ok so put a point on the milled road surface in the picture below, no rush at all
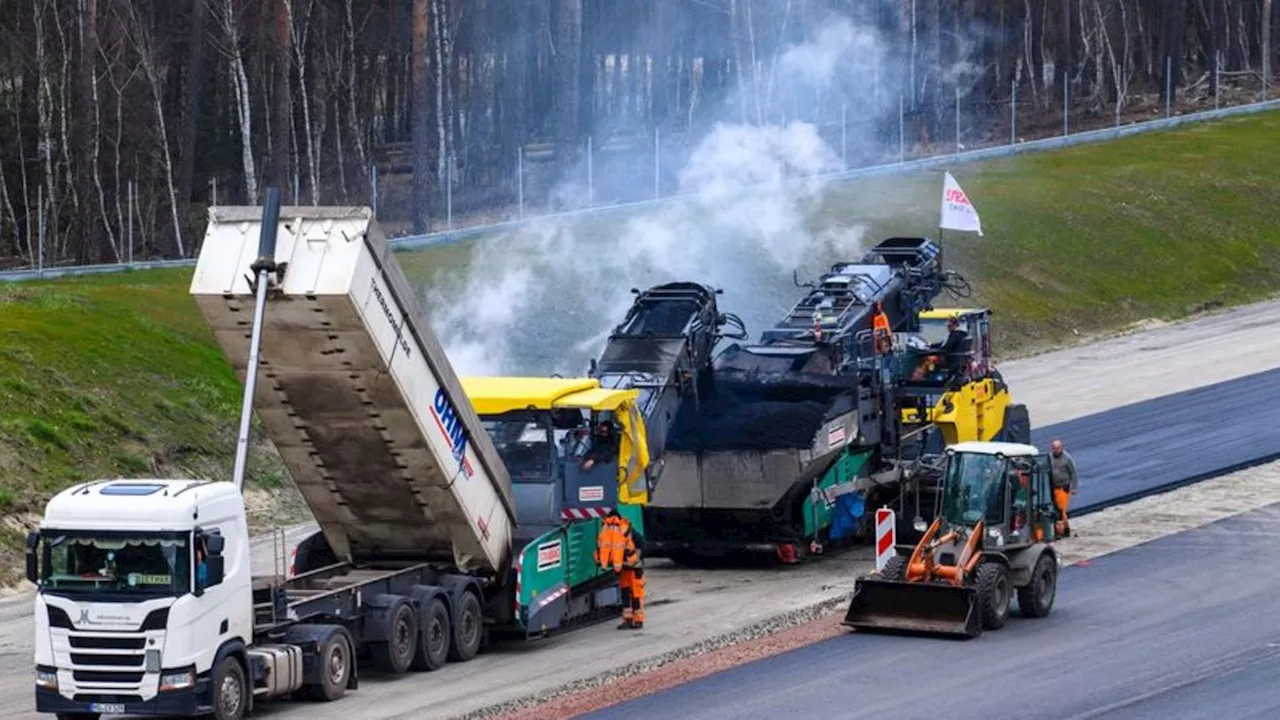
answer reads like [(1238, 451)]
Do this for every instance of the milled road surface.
[(1178, 627), (688, 607)]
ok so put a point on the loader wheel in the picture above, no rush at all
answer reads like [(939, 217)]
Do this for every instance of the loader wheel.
[(895, 569), (994, 594), (1036, 599)]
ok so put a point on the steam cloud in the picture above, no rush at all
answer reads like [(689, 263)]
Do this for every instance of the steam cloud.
[(543, 299)]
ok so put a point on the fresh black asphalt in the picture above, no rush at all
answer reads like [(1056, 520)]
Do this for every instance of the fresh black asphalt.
[(1183, 626), (1180, 627), (1131, 451)]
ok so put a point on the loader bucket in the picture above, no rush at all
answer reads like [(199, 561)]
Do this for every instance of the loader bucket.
[(923, 608)]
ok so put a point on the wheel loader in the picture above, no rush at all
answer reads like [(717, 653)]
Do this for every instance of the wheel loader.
[(991, 538)]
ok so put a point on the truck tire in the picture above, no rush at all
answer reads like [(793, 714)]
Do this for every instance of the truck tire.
[(336, 664), (397, 652), (468, 628), (994, 594), (1036, 599), (895, 569), (434, 637), (230, 691)]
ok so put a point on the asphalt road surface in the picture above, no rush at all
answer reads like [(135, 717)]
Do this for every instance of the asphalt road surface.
[(1129, 451), (1179, 627)]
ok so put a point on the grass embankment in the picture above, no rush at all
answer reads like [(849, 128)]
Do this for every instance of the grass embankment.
[(118, 374), (114, 375)]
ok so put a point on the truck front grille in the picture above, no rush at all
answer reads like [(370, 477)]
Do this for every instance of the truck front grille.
[(107, 677), (103, 698), (97, 642), (129, 661)]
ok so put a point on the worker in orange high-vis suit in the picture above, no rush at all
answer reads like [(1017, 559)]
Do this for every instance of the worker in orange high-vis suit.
[(618, 548), (880, 331)]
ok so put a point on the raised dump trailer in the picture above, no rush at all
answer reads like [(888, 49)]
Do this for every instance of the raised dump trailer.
[(147, 604)]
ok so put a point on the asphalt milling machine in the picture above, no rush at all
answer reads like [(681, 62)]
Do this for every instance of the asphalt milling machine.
[(784, 445), (992, 536)]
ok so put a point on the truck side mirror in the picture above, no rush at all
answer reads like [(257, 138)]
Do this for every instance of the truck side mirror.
[(214, 570), (33, 558), (214, 542)]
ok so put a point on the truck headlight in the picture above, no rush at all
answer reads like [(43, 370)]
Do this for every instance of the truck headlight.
[(47, 679), (178, 680)]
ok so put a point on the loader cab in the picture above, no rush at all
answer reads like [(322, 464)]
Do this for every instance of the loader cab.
[(1006, 485)]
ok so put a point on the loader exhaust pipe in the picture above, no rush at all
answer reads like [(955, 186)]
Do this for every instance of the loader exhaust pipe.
[(888, 606), (262, 268)]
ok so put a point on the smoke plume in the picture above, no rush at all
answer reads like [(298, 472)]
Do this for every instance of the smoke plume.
[(544, 298)]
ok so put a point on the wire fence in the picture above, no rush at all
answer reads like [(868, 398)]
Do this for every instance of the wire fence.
[(616, 175)]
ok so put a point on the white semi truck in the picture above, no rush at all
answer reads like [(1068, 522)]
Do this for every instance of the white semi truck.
[(147, 603)]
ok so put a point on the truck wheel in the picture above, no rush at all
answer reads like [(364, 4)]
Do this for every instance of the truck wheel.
[(433, 644), (1036, 599), (395, 655), (468, 629), (994, 594), (335, 668), (895, 569), (230, 691)]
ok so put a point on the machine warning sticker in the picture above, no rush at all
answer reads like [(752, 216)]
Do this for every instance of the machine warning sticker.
[(591, 493), (549, 555), (835, 436)]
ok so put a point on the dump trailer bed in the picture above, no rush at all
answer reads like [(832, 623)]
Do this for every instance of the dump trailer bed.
[(356, 392)]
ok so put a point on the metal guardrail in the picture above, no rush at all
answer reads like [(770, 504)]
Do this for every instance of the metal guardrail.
[(444, 237)]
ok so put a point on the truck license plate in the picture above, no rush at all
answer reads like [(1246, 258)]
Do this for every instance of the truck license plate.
[(107, 708)]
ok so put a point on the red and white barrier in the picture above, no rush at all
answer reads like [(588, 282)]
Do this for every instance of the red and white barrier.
[(886, 536)]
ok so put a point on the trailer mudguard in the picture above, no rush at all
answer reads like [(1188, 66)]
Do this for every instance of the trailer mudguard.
[(455, 586), (309, 637), (377, 611)]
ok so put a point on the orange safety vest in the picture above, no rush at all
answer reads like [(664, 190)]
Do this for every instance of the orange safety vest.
[(613, 543), (880, 330)]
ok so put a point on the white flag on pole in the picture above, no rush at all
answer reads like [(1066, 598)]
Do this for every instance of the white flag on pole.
[(957, 212)]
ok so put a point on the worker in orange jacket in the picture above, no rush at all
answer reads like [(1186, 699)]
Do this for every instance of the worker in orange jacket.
[(880, 331), (618, 548)]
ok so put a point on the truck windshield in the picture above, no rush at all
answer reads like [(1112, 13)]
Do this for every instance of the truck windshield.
[(133, 564), (974, 489), (524, 446)]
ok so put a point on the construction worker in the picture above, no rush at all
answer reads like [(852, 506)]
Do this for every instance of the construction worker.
[(882, 335), (1065, 482), (618, 548), (602, 447)]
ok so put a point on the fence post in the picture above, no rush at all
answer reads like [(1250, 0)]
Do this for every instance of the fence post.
[(1168, 85), (40, 231), (374, 180), (902, 130), (591, 180), (130, 202), (296, 189), (844, 142), (520, 179), (448, 193), (657, 164), (1217, 78), (215, 193), (1066, 105), (1013, 114), (957, 118)]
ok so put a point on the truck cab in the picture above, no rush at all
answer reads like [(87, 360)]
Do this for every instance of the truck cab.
[(143, 585)]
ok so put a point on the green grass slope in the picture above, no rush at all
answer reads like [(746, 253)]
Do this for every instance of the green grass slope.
[(118, 375), (113, 375)]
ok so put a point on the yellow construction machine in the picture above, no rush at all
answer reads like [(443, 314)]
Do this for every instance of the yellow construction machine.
[(992, 537)]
